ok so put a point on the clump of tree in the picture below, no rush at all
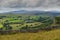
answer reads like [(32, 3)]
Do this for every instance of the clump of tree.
[(7, 26), (57, 20)]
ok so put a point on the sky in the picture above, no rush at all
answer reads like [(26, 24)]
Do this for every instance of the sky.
[(12, 5)]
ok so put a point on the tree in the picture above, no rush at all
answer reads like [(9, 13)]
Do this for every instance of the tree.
[(7, 26)]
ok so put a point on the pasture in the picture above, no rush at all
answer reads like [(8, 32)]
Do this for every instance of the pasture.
[(16, 22)]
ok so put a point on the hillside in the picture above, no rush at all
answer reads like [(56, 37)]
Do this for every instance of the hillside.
[(44, 35), (32, 25)]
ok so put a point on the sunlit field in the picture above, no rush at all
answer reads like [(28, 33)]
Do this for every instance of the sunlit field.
[(18, 21)]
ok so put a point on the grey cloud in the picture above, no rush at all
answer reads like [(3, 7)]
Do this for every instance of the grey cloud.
[(29, 3)]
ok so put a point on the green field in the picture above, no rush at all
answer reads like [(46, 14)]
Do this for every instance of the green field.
[(17, 22)]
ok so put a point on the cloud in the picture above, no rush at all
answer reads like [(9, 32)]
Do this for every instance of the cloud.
[(39, 4), (29, 3)]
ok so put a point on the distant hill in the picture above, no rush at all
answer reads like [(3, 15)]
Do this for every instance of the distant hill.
[(36, 12)]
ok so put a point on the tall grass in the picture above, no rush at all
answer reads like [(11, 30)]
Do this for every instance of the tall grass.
[(43, 35)]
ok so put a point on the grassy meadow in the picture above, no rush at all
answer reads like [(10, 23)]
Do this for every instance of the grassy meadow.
[(43, 35)]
